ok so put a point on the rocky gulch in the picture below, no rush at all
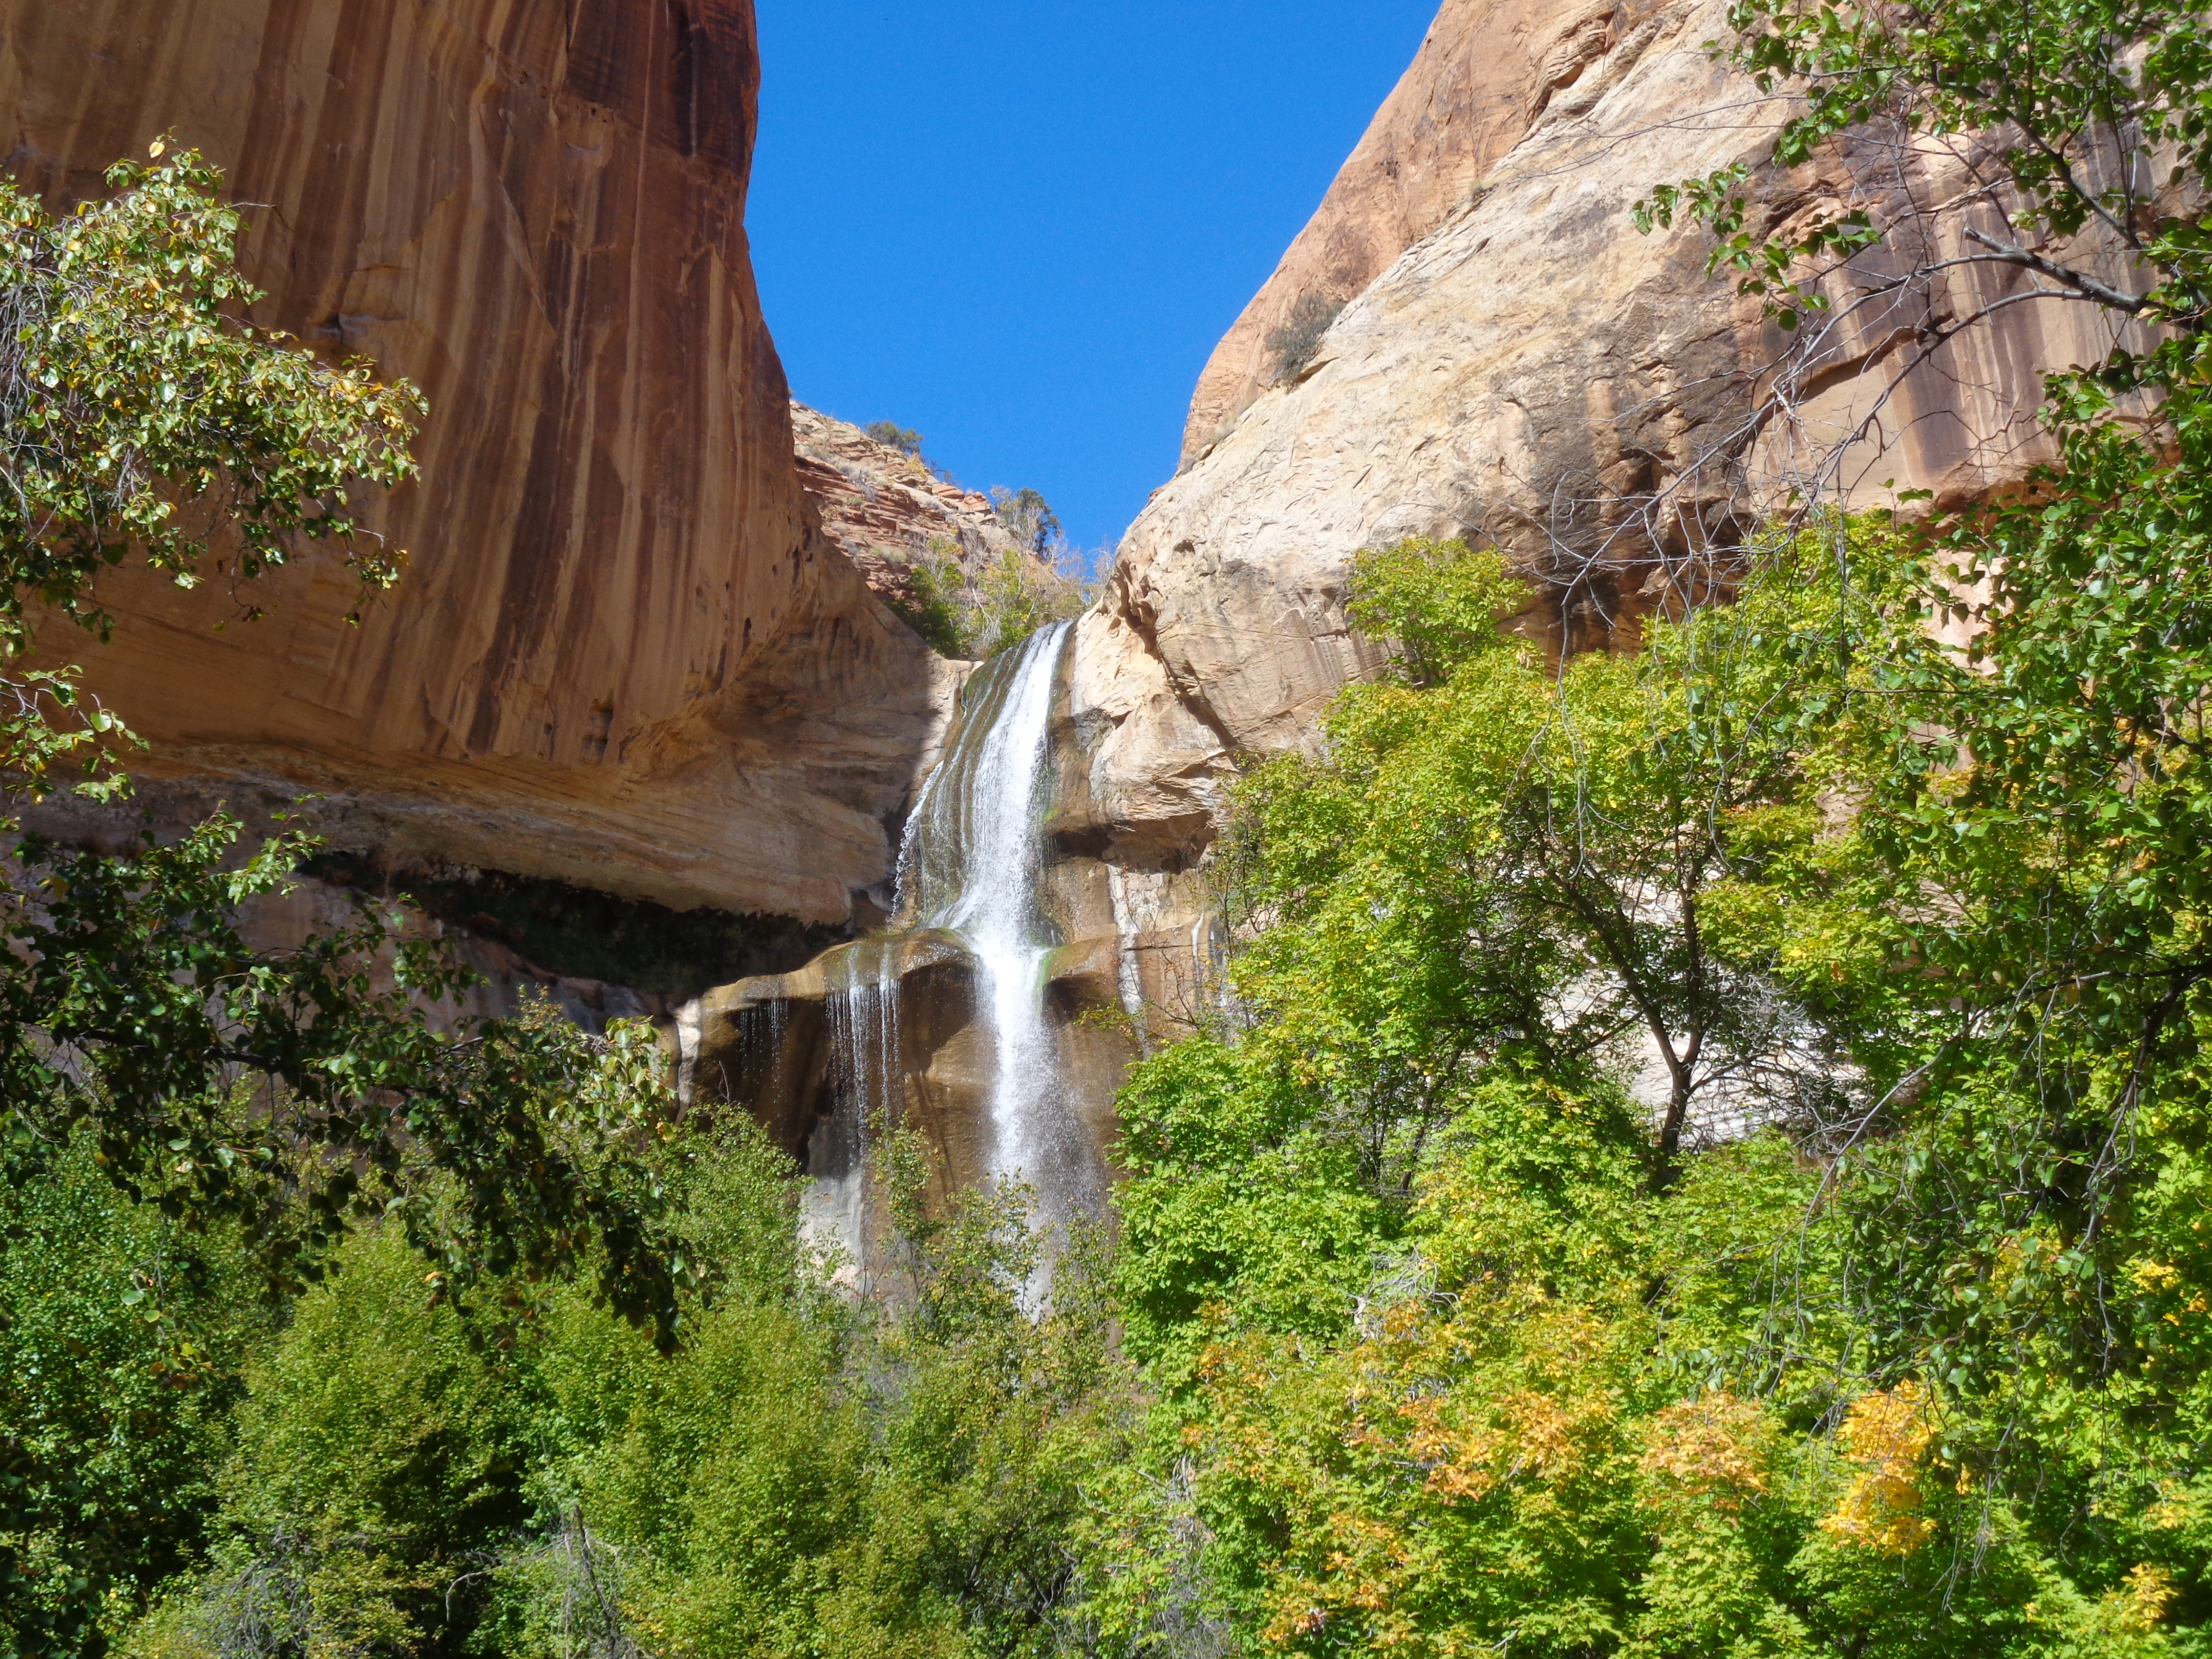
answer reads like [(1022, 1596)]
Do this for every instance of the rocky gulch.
[(1470, 339), (634, 656)]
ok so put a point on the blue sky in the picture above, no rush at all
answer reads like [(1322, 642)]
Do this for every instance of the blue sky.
[(1019, 226)]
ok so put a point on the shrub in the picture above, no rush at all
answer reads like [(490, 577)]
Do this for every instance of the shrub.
[(1029, 518), (890, 433), (120, 1337), (970, 614), (1295, 342), (527, 1477), (936, 585)]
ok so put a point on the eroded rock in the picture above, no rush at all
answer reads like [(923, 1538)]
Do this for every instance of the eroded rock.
[(1515, 365), (886, 509), (623, 655)]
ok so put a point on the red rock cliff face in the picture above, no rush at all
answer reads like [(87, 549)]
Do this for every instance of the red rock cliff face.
[(621, 655), (885, 508)]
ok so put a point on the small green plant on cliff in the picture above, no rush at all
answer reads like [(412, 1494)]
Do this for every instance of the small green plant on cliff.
[(892, 434), (935, 587), (1028, 517), (1294, 343), (969, 614)]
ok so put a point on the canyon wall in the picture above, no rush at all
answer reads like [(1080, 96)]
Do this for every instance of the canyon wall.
[(623, 657), (632, 657), (1493, 352), (1482, 74), (1515, 364), (887, 511)]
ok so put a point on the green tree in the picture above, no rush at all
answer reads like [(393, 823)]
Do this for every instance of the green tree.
[(2006, 931), (902, 1480), (904, 439), (136, 419), (1450, 1369), (283, 1095), (1028, 517), (120, 1337), (809, 1475), (1494, 867), (139, 421)]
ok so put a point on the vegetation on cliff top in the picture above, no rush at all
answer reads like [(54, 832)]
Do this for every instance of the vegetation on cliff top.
[(969, 614)]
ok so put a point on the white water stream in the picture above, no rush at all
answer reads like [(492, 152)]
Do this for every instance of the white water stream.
[(970, 866), (862, 1013)]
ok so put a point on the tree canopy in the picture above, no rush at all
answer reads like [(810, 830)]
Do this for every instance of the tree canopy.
[(276, 1098)]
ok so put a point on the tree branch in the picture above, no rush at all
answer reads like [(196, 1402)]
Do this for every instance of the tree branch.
[(2088, 286)]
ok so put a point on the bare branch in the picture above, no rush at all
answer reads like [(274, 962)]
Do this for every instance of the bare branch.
[(2088, 287)]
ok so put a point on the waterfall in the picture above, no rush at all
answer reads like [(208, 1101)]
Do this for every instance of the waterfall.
[(970, 866), (969, 877), (861, 1011)]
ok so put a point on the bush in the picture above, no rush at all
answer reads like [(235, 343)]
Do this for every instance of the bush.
[(119, 1339), (529, 1477), (969, 615), (382, 1446), (1029, 519), (892, 435), (1299, 337)]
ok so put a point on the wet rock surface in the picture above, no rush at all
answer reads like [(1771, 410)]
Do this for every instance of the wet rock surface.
[(911, 1026)]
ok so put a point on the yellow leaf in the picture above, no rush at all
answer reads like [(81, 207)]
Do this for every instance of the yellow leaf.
[(1885, 1434)]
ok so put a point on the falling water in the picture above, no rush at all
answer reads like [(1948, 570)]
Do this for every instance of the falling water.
[(970, 866), (862, 1008)]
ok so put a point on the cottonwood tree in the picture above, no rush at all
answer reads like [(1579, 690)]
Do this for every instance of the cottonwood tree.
[(1499, 868), (2001, 911)]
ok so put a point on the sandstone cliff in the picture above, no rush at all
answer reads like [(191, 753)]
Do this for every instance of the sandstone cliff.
[(1482, 74), (885, 509), (1512, 363), (622, 657), (1515, 364)]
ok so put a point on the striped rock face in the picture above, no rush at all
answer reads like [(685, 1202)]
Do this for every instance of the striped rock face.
[(1472, 339), (623, 655)]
